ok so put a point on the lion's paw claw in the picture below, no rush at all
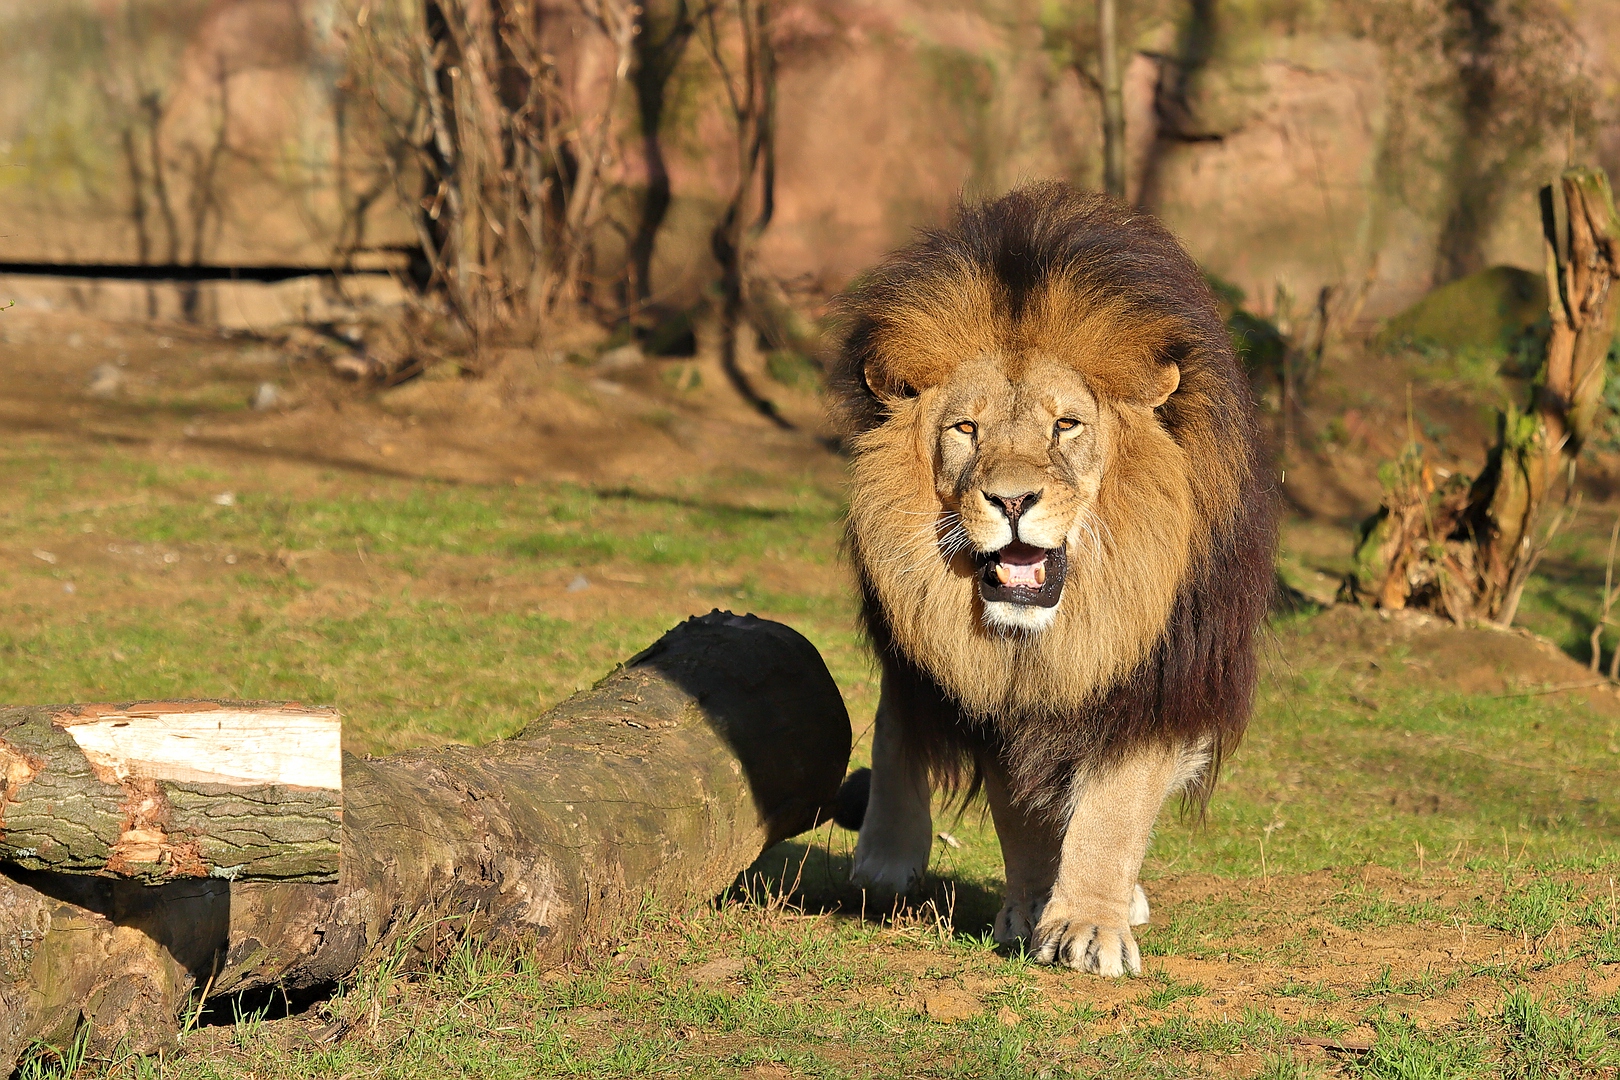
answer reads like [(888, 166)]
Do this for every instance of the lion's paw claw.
[(1101, 947)]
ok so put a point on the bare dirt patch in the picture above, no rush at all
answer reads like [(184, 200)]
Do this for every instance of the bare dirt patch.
[(537, 416)]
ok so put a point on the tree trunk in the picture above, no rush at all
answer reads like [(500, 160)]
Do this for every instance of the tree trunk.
[(667, 779), (1113, 97), (751, 94), (1468, 550), (659, 48), (161, 790)]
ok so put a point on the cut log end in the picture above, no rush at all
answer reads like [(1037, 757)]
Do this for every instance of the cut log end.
[(159, 791)]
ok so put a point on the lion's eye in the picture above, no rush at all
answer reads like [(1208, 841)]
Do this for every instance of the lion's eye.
[(1064, 423), (966, 427)]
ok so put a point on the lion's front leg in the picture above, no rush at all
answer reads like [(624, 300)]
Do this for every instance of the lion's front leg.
[(897, 833), (1030, 848), (1086, 923)]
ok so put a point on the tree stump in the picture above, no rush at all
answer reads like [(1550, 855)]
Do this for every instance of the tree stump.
[(667, 778), (1466, 548)]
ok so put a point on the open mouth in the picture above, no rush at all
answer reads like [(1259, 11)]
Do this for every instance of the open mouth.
[(1022, 574)]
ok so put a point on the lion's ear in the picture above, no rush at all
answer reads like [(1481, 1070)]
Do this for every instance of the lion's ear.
[(881, 388), (1166, 380)]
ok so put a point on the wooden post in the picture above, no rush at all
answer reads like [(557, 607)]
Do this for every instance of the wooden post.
[(667, 779), (155, 791)]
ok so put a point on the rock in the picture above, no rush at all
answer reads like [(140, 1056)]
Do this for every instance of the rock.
[(621, 359), (718, 971), (106, 380), (1487, 310), (950, 1005), (579, 584), (351, 366), (265, 397)]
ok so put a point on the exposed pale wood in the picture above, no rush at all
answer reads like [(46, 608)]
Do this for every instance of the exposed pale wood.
[(665, 779), (208, 743), (161, 790)]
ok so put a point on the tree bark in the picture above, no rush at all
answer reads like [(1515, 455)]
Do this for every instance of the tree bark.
[(155, 791), (1113, 97), (1467, 550), (659, 48), (666, 779), (751, 95)]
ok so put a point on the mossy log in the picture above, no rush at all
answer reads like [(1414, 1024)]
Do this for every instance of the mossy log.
[(666, 779)]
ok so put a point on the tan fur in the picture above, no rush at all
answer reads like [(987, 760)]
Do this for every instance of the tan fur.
[(1129, 550)]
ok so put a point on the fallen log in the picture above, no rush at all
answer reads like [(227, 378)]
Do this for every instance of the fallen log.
[(667, 778), (155, 791)]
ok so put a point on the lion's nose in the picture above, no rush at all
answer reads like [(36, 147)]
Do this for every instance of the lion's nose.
[(1013, 507)]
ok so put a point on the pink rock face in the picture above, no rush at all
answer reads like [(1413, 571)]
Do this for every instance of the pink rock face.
[(1325, 151)]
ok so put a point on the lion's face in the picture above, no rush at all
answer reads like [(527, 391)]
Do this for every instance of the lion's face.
[(1019, 462), (1023, 525)]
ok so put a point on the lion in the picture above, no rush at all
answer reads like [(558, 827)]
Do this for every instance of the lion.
[(1062, 525)]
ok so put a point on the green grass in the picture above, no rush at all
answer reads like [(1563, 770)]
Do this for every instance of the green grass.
[(433, 611), (420, 609)]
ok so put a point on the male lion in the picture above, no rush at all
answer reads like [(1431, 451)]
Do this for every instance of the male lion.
[(1062, 523)]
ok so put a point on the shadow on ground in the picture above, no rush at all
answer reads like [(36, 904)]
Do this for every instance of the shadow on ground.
[(811, 873)]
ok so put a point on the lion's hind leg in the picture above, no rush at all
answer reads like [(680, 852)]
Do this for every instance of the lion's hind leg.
[(1086, 923), (897, 829), (1138, 914)]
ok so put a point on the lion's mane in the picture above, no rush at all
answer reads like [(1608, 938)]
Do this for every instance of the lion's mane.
[(1156, 633)]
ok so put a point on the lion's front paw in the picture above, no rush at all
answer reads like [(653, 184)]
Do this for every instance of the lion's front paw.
[(1102, 945), (1015, 922)]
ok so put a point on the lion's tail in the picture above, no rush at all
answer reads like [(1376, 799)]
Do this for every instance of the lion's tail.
[(849, 806)]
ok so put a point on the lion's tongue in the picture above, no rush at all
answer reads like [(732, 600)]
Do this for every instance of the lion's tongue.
[(1021, 564)]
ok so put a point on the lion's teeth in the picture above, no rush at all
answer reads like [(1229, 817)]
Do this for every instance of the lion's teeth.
[(1003, 575), (1040, 575)]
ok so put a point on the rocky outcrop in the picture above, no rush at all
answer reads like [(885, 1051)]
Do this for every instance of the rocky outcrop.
[(1373, 147)]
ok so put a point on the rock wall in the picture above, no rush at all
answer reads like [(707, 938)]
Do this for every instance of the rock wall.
[(1378, 147), (185, 132)]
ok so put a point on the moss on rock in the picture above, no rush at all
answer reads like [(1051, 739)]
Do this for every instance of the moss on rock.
[(1488, 310)]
